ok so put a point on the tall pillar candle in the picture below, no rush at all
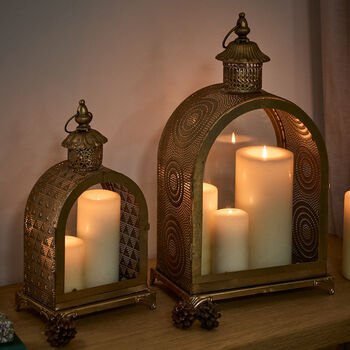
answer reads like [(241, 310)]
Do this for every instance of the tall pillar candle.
[(74, 259), (346, 236), (98, 224), (264, 189), (230, 240), (210, 205)]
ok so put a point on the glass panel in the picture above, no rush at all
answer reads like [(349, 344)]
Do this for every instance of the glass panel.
[(95, 241), (247, 198)]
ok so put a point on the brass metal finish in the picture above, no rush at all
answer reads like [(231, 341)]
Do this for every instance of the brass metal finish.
[(180, 187), (84, 144), (242, 77), (46, 213), (325, 282), (146, 297), (183, 149), (242, 60)]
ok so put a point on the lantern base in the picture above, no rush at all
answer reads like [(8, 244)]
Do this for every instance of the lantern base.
[(59, 321), (196, 300)]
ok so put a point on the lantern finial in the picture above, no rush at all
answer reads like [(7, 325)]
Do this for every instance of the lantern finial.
[(242, 60), (84, 144), (242, 29), (83, 116), (241, 50)]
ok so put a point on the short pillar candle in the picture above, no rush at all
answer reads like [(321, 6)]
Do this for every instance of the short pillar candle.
[(264, 189), (230, 240), (98, 224), (74, 260)]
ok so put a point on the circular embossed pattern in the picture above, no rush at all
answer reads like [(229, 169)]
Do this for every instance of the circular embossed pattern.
[(300, 128), (306, 170), (191, 119), (173, 248), (174, 182), (305, 227)]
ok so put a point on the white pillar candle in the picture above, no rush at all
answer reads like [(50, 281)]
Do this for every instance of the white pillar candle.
[(210, 205), (98, 224), (74, 264), (230, 240), (346, 236), (264, 189)]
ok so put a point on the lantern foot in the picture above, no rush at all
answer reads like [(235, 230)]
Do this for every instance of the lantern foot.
[(326, 283), (208, 314), (153, 276), (186, 311), (60, 330), (148, 299), (183, 314), (20, 301)]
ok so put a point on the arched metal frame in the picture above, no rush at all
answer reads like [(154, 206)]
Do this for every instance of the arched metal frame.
[(46, 214), (183, 148), (272, 274)]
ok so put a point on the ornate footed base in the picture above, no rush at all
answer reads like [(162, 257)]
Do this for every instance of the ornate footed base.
[(60, 329), (202, 306), (185, 312)]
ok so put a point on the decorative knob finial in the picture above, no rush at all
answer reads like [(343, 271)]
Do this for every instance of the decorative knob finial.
[(242, 29), (85, 145), (83, 117)]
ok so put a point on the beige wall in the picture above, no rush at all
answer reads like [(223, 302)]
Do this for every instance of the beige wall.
[(134, 62)]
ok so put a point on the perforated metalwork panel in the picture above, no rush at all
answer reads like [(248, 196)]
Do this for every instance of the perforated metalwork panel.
[(242, 78), (129, 232), (306, 187), (85, 159)]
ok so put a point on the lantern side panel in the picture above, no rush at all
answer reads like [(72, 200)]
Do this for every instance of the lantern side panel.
[(129, 231), (178, 150), (306, 187)]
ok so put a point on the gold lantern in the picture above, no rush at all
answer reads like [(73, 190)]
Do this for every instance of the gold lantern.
[(182, 154), (45, 219)]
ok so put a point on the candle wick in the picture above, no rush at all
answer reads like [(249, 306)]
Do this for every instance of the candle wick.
[(233, 140), (264, 152)]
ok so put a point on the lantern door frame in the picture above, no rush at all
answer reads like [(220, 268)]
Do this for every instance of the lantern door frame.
[(269, 275), (183, 149), (102, 292)]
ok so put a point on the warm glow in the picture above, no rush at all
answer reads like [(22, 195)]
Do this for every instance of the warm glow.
[(233, 139), (99, 195), (264, 152), (230, 211)]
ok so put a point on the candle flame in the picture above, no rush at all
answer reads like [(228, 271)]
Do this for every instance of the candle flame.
[(264, 152), (233, 139)]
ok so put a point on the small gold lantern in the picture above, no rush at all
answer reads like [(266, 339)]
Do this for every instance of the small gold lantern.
[(46, 213), (183, 151)]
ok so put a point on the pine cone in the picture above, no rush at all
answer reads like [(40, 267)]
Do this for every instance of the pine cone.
[(60, 331), (183, 315), (208, 314)]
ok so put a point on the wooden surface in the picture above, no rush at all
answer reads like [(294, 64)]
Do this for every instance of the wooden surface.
[(302, 319)]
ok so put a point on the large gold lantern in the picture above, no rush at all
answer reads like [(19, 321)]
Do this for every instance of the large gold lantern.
[(187, 139), (46, 282)]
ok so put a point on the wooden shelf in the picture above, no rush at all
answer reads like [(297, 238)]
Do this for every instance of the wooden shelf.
[(302, 319)]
